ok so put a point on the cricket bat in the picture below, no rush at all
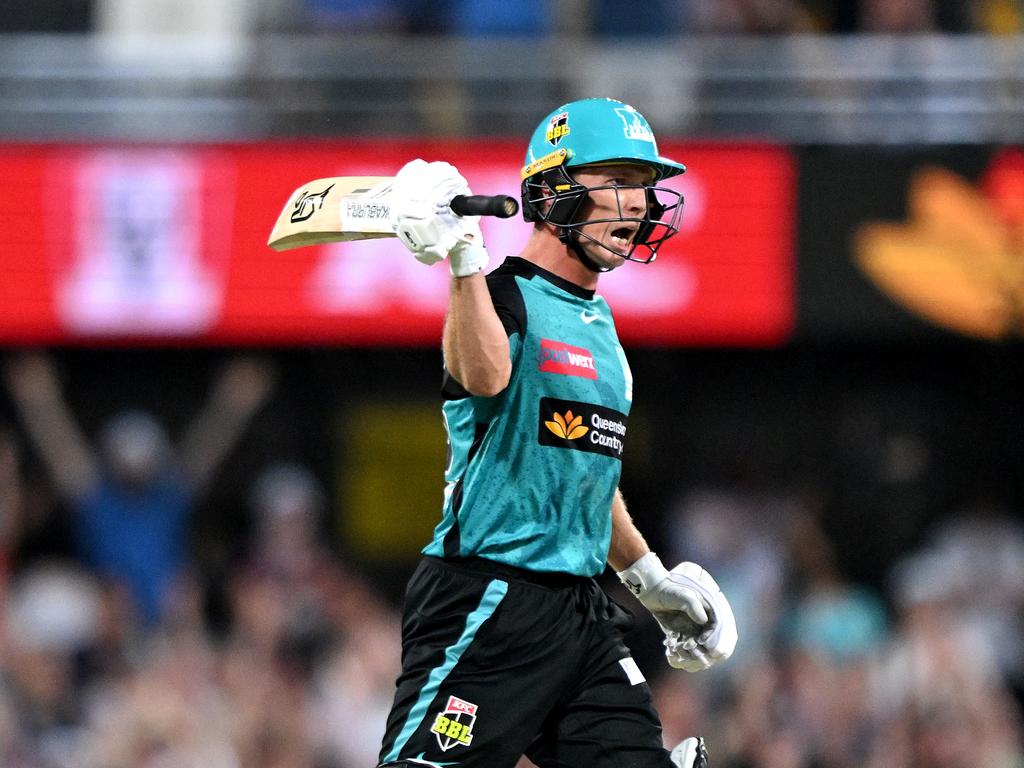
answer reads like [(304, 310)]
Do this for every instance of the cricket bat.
[(344, 208)]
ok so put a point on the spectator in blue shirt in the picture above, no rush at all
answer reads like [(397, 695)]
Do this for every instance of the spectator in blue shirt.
[(133, 496)]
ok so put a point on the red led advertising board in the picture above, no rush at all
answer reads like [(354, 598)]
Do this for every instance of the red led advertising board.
[(143, 245)]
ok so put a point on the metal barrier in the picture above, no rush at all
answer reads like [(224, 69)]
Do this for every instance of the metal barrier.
[(800, 89)]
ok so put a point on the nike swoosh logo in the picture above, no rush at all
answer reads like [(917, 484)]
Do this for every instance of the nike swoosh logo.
[(589, 317)]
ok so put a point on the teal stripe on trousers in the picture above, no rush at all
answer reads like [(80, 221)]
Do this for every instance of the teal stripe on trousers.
[(489, 603)]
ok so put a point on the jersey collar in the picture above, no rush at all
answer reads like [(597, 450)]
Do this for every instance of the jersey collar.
[(525, 268)]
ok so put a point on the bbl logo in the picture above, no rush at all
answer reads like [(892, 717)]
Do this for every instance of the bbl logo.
[(557, 128), (454, 726)]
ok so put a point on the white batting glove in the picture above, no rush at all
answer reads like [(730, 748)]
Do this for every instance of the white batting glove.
[(673, 601), (424, 222), (690, 753), (718, 641), (694, 614)]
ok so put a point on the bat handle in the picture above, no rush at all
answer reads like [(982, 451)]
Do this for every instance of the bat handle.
[(501, 206)]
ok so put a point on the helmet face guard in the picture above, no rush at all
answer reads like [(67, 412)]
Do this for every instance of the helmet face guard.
[(554, 197)]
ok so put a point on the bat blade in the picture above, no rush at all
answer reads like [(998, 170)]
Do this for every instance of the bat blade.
[(333, 210)]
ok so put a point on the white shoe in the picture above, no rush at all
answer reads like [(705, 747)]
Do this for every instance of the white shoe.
[(690, 753)]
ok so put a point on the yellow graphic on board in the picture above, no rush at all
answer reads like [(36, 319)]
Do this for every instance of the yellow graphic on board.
[(958, 261)]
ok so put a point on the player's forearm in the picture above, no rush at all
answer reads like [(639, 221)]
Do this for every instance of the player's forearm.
[(628, 544), (476, 350)]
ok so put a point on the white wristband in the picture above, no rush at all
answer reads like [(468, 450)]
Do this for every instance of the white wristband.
[(466, 259), (643, 574)]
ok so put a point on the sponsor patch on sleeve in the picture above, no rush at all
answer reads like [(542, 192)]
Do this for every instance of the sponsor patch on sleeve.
[(581, 427)]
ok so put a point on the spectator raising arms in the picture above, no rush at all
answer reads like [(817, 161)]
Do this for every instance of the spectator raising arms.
[(134, 495)]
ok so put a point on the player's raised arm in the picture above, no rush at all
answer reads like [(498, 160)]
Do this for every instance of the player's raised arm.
[(476, 349)]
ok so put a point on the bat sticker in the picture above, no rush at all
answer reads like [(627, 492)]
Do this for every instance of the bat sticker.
[(307, 205)]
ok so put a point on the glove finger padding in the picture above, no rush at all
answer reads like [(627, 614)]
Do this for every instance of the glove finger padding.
[(423, 220), (684, 653), (719, 640), (435, 182)]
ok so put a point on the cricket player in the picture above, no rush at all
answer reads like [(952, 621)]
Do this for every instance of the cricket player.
[(509, 646)]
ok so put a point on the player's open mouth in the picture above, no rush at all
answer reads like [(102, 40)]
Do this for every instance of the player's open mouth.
[(620, 237)]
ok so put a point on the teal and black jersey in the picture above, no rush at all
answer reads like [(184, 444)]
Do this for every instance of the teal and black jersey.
[(532, 471)]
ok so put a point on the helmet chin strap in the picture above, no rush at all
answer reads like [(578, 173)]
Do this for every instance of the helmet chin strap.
[(566, 236)]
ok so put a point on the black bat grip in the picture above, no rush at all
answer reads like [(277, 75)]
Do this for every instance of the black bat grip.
[(501, 206)]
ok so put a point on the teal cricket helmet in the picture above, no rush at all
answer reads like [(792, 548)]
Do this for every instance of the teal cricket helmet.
[(596, 131)]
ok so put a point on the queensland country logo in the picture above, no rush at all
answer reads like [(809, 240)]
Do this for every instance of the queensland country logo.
[(556, 357), (958, 259), (558, 128), (567, 427), (581, 427), (453, 726)]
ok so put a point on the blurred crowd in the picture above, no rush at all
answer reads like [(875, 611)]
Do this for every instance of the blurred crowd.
[(112, 657), (120, 652), (601, 18), (924, 671), (664, 18)]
